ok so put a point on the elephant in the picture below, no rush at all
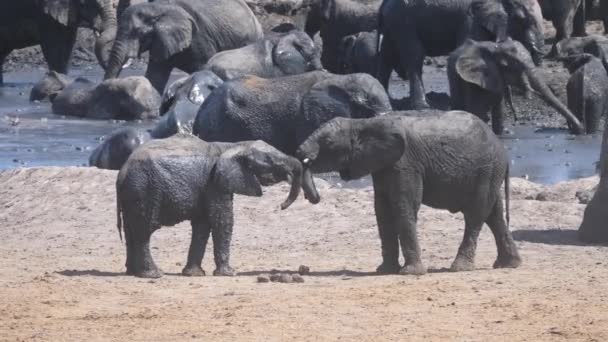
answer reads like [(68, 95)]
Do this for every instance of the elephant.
[(593, 229), (284, 111), (303, 14), (567, 16), (446, 160), (129, 98), (358, 53), (167, 181), (116, 149), (587, 88), (180, 34), (596, 45), (53, 24), (411, 30), (49, 86), (278, 54), (480, 75)]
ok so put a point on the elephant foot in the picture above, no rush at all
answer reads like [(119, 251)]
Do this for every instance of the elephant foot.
[(388, 268), (225, 271), (419, 104), (413, 269), (193, 271), (152, 273), (507, 262), (462, 264)]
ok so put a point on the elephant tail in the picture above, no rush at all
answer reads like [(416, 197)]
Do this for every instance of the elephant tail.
[(119, 218), (507, 196)]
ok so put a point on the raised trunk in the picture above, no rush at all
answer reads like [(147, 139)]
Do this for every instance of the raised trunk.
[(296, 183), (103, 44), (547, 95), (118, 57), (308, 185), (594, 228)]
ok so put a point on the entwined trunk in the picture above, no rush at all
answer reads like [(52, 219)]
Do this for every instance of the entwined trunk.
[(103, 44)]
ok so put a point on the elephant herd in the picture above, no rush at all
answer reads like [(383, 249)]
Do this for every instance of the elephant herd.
[(264, 106)]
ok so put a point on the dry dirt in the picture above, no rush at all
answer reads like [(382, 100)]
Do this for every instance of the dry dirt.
[(61, 271)]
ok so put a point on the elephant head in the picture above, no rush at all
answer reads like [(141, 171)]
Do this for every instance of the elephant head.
[(495, 67), (181, 101), (296, 53), (113, 153), (159, 27), (98, 15), (520, 19), (353, 147), (50, 86), (345, 53), (245, 168)]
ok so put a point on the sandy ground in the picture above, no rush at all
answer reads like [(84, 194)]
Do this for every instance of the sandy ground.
[(61, 271)]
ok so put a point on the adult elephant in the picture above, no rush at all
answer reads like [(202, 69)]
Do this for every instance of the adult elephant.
[(284, 111), (567, 16), (53, 24), (411, 30), (481, 74), (181, 34), (446, 160)]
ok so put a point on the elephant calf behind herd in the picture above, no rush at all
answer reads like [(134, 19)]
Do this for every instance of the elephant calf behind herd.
[(258, 108)]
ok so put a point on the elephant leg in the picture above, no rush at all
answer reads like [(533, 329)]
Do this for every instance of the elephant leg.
[(578, 29), (414, 59), (3, 56), (498, 118), (465, 259), (57, 43), (386, 62), (221, 220), (158, 74), (198, 245), (139, 259), (508, 256), (594, 109), (389, 239)]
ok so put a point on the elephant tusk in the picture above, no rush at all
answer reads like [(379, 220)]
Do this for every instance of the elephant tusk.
[(306, 161)]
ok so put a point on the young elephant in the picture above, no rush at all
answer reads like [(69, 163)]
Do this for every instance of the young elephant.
[(480, 74), (116, 149), (278, 54), (182, 178), (49, 86), (358, 53), (446, 160), (129, 98)]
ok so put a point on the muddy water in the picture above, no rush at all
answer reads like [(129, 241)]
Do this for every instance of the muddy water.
[(30, 135)]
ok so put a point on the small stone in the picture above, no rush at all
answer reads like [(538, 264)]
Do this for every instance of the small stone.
[(303, 270), (263, 278), (275, 277), (285, 278), (297, 278), (541, 196)]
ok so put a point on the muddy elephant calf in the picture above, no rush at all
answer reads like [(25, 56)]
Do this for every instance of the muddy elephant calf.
[(182, 178)]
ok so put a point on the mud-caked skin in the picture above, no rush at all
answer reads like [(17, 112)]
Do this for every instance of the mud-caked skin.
[(49, 86), (284, 111), (180, 178), (446, 160), (116, 149), (481, 75)]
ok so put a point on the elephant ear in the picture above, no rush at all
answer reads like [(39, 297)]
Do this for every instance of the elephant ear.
[(173, 33), (478, 67), (233, 173), (490, 15), (379, 144), (63, 11)]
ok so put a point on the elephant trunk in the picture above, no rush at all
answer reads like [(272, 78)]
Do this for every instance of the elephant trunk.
[(103, 44), (295, 178), (547, 95), (118, 56), (308, 184)]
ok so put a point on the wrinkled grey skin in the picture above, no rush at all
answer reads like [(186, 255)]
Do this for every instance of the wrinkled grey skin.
[(445, 160), (358, 53), (340, 18), (167, 181), (181, 34), (284, 111), (116, 149), (278, 54), (587, 88), (53, 24), (129, 98), (480, 74), (567, 16), (593, 229), (49, 86), (596, 45), (411, 30), (181, 102)]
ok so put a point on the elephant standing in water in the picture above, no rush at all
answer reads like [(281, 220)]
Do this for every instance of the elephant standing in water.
[(181, 34), (414, 29), (481, 73), (182, 178), (446, 160), (53, 24)]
